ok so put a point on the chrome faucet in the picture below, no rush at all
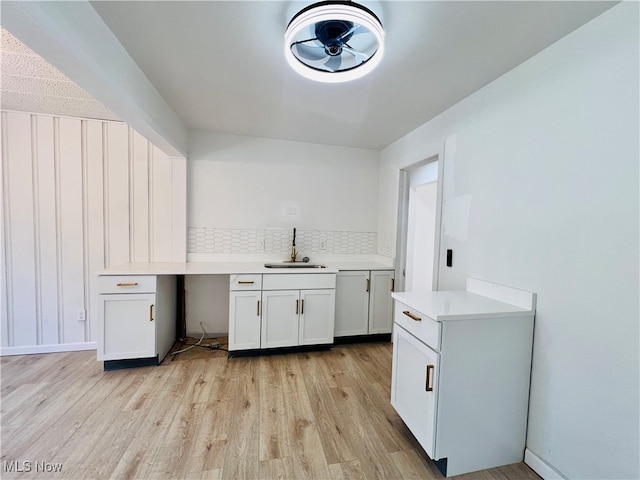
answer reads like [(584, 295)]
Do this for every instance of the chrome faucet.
[(294, 253)]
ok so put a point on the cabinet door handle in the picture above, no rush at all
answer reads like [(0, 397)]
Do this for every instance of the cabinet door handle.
[(258, 311), (297, 304), (412, 316), (427, 384), (393, 284), (124, 284), (302, 306), (151, 313), (368, 284), (246, 282)]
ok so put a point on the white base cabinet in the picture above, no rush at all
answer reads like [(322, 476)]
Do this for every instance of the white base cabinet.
[(460, 378), (363, 302), (136, 317), (299, 309), (281, 310), (245, 311)]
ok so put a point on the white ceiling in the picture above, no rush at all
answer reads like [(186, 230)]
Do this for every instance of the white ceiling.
[(29, 84), (220, 65)]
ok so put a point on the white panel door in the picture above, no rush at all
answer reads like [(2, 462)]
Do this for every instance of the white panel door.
[(380, 302), (128, 327), (317, 309), (414, 386), (244, 320), (280, 313), (352, 303)]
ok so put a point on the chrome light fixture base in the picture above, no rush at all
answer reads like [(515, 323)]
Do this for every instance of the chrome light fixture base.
[(334, 41)]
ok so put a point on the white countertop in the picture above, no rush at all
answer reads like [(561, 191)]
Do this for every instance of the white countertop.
[(226, 268), (458, 305)]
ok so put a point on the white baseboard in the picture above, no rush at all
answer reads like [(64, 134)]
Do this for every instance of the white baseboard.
[(56, 348), (542, 468)]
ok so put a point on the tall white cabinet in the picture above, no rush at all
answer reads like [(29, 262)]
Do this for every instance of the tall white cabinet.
[(460, 373)]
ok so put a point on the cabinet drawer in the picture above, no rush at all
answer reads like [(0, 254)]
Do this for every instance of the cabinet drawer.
[(127, 283), (298, 281), (245, 281), (420, 326)]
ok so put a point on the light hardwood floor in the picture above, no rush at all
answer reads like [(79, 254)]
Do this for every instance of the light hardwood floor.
[(201, 416)]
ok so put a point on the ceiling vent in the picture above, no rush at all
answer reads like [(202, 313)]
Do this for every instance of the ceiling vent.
[(334, 41)]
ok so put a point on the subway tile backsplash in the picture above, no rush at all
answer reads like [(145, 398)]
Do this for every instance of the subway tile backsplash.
[(278, 241)]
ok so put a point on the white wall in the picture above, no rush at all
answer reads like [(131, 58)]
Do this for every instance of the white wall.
[(79, 195), (239, 190), (238, 182), (421, 233), (541, 184)]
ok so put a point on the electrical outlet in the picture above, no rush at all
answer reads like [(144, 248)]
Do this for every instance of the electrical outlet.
[(260, 244), (82, 316), (323, 244)]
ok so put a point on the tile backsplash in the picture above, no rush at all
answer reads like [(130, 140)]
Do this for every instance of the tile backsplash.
[(278, 241)]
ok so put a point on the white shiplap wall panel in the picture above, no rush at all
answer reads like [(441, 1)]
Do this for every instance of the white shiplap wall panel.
[(78, 195), (139, 197), (20, 234), (46, 215), (94, 228), (71, 215), (117, 193), (161, 206)]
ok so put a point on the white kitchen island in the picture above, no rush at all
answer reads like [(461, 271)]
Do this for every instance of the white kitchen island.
[(461, 371)]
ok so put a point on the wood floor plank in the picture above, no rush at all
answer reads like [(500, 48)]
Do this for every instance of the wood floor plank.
[(200, 415)]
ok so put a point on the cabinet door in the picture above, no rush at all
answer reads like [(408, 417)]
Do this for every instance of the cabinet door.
[(414, 386), (352, 303), (316, 316), (280, 311), (127, 326), (380, 302), (244, 320)]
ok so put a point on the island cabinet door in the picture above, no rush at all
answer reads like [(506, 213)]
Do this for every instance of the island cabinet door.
[(128, 327), (414, 387), (280, 312)]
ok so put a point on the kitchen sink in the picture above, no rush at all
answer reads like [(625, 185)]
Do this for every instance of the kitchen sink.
[(294, 265)]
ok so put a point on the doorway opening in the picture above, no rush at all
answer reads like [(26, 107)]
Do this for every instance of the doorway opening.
[(418, 238)]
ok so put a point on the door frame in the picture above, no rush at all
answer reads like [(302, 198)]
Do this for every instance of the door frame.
[(403, 217)]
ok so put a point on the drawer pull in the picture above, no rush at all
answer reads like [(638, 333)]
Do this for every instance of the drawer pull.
[(151, 313), (246, 282), (427, 384), (411, 316), (125, 284)]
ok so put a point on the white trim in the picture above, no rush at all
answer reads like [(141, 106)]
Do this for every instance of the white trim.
[(542, 468), (34, 349)]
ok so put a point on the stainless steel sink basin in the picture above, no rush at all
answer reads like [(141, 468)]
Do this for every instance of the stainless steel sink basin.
[(294, 265)]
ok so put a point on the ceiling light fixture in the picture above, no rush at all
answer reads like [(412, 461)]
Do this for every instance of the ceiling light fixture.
[(334, 41)]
